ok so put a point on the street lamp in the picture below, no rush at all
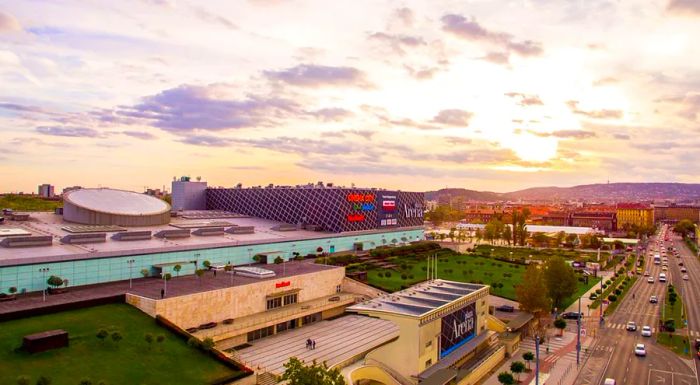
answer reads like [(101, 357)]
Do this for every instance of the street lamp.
[(44, 270), (130, 262)]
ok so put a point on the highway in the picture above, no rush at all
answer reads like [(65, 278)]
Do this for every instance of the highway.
[(689, 290), (613, 355)]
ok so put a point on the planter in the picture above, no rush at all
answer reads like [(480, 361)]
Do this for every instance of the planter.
[(57, 290), (7, 297)]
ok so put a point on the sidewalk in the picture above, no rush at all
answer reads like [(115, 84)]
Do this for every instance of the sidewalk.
[(559, 363), (585, 300)]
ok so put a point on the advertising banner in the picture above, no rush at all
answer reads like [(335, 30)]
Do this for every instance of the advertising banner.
[(458, 328), (387, 213)]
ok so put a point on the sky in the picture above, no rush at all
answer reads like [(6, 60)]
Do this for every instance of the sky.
[(412, 95)]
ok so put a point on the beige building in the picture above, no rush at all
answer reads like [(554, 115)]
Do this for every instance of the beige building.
[(443, 335)]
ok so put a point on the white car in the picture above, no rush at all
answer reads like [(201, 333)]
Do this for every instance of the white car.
[(640, 350), (631, 326), (646, 273), (650, 279), (609, 381), (685, 277), (683, 270), (646, 331), (665, 268)]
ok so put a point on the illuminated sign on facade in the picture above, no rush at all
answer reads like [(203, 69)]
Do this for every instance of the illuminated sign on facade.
[(458, 328), (413, 211), (356, 217), (282, 284), (387, 214), (360, 198)]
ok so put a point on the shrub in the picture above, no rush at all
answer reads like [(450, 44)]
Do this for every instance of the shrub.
[(411, 276), (612, 298), (145, 273), (43, 380), (22, 380), (278, 260), (207, 343), (193, 342), (404, 276), (55, 281), (206, 264), (387, 274), (618, 291)]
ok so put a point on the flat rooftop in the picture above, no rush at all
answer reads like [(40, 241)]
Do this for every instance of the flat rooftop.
[(419, 299), (336, 341), (46, 223)]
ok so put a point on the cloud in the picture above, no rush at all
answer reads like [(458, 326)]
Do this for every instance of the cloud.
[(186, 108), (689, 105), (453, 118), (331, 114), (565, 134), (471, 30), (621, 136), (657, 146), (422, 73), (140, 135), (69, 131), (8, 23), (606, 81), (687, 7), (206, 140), (525, 100), (501, 155), (213, 18), (596, 114), (398, 42), (497, 58), (405, 15), (312, 75)]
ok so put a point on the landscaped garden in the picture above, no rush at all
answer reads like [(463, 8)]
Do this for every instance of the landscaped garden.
[(392, 269), (109, 344), (527, 253), (28, 203)]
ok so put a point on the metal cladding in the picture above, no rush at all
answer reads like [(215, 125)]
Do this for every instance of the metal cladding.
[(328, 209), (105, 206)]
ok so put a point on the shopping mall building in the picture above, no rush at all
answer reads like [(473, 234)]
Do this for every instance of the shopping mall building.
[(105, 235)]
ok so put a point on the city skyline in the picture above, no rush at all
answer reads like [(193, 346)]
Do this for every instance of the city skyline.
[(395, 94)]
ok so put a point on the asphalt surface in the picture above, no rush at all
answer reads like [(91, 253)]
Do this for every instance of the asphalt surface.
[(613, 355), (689, 290)]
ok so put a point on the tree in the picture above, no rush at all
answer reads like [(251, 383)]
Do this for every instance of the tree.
[(506, 378), (54, 281), (560, 324), (148, 337), (206, 264), (177, 269), (116, 337), (208, 343), (560, 279), (507, 234), (145, 273), (559, 238), (528, 356), (517, 367), (101, 335), (85, 381), (199, 273), (160, 338), (684, 227), (532, 292), (296, 373), (451, 235), (278, 260), (540, 239), (479, 235), (43, 380), (22, 380)]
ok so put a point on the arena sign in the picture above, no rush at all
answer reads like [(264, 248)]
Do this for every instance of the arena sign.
[(387, 214), (458, 328)]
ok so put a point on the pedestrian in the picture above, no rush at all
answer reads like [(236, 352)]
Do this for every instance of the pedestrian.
[(313, 344), (308, 343), (162, 293), (214, 272)]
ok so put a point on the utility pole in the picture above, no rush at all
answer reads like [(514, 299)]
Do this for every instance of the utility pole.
[(578, 333)]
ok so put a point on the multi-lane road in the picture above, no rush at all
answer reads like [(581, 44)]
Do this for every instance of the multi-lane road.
[(613, 354), (689, 290)]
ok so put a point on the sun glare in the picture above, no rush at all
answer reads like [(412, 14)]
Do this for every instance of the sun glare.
[(532, 148)]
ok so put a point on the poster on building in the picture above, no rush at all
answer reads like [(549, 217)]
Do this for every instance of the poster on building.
[(458, 328), (387, 212)]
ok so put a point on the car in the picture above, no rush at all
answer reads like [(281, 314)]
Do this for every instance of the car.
[(571, 315), (506, 308), (640, 350), (646, 273), (683, 270), (665, 268), (685, 277), (631, 326), (609, 381), (646, 331), (650, 279), (653, 299), (680, 263)]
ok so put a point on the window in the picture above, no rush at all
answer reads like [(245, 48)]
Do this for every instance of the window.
[(337, 289), (311, 318), (290, 299), (429, 362), (261, 333), (273, 303), (429, 344)]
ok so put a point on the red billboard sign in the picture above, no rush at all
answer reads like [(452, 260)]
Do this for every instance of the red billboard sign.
[(282, 284)]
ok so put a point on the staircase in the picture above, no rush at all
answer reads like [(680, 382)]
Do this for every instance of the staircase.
[(266, 378)]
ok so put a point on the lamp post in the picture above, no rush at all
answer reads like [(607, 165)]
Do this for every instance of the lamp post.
[(537, 360), (130, 262), (165, 282), (43, 271), (578, 333)]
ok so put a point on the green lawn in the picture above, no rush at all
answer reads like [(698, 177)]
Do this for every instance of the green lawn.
[(461, 268), (27, 203), (676, 343), (581, 290), (540, 254), (674, 312), (130, 361)]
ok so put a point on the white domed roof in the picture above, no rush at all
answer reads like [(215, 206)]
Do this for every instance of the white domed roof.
[(116, 201)]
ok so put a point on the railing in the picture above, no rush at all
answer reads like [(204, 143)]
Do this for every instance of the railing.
[(394, 374)]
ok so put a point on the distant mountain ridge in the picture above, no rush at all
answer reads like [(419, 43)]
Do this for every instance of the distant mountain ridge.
[(610, 192)]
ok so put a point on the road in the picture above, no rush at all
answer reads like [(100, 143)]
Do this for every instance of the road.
[(690, 289), (613, 355)]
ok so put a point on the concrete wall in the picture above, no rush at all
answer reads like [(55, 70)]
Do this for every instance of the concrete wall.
[(75, 214), (352, 286), (189, 195)]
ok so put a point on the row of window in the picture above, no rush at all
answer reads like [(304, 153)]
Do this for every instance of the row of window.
[(273, 303), (261, 333)]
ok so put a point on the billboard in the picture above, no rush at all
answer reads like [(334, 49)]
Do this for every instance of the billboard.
[(458, 328), (387, 213)]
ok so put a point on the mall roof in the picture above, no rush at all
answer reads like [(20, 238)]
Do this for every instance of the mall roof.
[(420, 299), (50, 224)]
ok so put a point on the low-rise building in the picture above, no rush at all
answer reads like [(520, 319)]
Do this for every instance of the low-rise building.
[(634, 214), (674, 213)]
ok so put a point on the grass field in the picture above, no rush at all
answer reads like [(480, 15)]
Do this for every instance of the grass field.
[(27, 203), (129, 361), (674, 312), (676, 343), (461, 268), (524, 253)]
